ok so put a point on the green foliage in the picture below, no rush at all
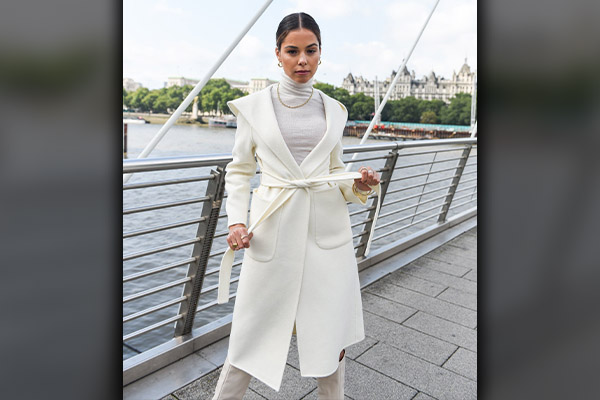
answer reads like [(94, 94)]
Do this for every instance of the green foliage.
[(217, 92), (409, 109), (429, 117), (147, 103), (432, 105), (325, 88), (214, 96), (360, 106), (458, 112), (134, 99)]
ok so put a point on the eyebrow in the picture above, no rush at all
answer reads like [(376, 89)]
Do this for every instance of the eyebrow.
[(295, 47)]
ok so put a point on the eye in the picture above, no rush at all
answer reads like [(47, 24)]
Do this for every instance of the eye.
[(291, 51), (311, 51)]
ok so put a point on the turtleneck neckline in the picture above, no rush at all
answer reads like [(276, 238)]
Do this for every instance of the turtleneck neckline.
[(289, 88)]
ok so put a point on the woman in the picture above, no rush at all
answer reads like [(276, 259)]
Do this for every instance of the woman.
[(299, 271)]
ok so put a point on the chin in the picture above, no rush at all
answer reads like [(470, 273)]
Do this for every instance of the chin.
[(302, 79)]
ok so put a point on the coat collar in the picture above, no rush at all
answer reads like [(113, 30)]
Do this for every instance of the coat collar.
[(258, 110)]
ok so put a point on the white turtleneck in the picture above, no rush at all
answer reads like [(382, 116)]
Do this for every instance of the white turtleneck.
[(303, 127)]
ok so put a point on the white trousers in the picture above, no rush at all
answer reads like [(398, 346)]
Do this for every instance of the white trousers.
[(233, 383)]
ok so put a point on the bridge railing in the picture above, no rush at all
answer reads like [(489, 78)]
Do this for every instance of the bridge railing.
[(175, 228)]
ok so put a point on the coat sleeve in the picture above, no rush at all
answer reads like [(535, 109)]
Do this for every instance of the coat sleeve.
[(336, 166), (239, 172)]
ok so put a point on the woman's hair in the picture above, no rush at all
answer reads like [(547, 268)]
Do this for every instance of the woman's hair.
[(296, 21)]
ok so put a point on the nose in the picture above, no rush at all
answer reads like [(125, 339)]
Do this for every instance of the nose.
[(302, 60)]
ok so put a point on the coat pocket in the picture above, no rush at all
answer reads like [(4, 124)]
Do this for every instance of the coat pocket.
[(264, 239), (332, 220)]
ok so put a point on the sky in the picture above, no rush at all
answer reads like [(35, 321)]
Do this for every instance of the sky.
[(164, 39)]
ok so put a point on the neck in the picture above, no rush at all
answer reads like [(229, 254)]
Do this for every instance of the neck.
[(290, 88)]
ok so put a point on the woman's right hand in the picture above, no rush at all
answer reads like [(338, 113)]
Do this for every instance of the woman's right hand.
[(236, 232)]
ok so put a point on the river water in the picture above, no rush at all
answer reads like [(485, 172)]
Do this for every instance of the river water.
[(197, 140)]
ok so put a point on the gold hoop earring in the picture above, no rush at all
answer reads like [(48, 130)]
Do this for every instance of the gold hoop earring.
[(279, 64), (319, 61)]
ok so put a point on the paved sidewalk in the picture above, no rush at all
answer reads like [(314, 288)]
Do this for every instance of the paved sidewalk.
[(421, 327)]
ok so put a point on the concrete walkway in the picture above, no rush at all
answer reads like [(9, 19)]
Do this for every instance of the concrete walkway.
[(421, 327)]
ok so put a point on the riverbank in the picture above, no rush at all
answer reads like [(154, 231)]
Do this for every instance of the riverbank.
[(162, 118)]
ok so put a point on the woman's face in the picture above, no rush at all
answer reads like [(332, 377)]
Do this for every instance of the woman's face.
[(300, 54)]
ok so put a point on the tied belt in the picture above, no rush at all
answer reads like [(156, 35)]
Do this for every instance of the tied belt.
[(288, 189)]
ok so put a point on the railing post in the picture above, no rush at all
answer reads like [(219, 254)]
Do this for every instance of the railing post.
[(206, 231), (386, 176), (452, 189)]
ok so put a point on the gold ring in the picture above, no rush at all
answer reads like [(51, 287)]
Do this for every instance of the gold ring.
[(235, 245)]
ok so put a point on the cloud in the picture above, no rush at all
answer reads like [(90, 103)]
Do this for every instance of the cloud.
[(363, 38), (449, 37), (153, 63), (162, 6), (369, 59), (325, 8)]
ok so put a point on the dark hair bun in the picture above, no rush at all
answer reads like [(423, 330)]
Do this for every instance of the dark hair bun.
[(296, 21)]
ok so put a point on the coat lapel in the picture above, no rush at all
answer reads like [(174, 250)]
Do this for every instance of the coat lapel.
[(260, 114), (336, 117)]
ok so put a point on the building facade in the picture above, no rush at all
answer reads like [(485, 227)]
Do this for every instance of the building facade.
[(430, 87), (254, 85), (257, 84), (180, 81), (130, 85), (242, 85)]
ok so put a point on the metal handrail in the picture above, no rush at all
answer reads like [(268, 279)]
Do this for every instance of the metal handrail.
[(156, 289), (166, 182), (421, 184), (168, 163), (156, 270), (160, 249), (204, 258), (161, 228), (165, 205), (429, 163), (424, 174)]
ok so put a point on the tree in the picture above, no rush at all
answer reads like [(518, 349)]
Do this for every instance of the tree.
[(361, 107), (340, 94), (458, 111), (407, 110), (326, 88), (135, 98), (429, 117), (432, 105), (229, 95), (147, 103), (161, 103)]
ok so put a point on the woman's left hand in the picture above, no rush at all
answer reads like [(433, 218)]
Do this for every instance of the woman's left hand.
[(370, 177)]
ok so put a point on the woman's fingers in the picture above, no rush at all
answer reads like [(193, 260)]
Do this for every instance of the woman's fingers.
[(245, 239), (239, 237), (369, 176)]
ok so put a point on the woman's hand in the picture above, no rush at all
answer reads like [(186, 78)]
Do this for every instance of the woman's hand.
[(238, 237), (369, 177)]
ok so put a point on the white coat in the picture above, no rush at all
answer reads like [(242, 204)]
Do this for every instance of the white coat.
[(300, 267)]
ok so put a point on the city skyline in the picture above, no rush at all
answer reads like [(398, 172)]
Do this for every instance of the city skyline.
[(368, 40), (381, 78)]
